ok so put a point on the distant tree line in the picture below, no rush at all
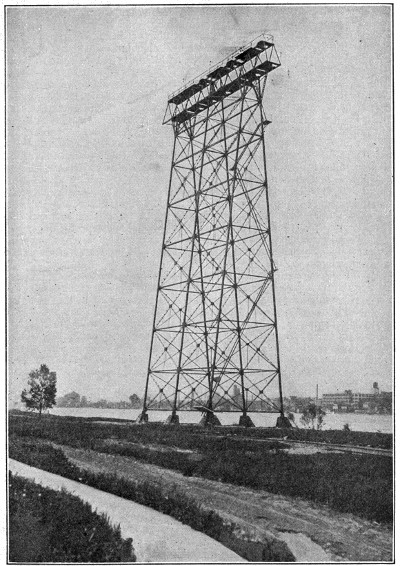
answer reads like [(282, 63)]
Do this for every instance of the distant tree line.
[(74, 400), (40, 395)]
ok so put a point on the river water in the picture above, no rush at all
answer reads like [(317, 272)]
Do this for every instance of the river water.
[(356, 421)]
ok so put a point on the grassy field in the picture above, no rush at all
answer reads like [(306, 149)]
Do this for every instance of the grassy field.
[(52, 526), (356, 483), (38, 453), (41, 455)]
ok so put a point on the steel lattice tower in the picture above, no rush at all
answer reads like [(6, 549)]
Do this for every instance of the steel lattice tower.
[(214, 343)]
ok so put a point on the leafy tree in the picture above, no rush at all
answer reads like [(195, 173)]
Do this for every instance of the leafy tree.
[(41, 392), (313, 416), (135, 401), (382, 403), (72, 399)]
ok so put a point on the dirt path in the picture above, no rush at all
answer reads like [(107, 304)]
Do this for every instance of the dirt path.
[(312, 532)]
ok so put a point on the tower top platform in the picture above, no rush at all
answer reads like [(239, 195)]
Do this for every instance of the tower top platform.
[(243, 67)]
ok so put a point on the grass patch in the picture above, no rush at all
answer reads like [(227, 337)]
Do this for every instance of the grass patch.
[(53, 526), (174, 503), (357, 483), (352, 483), (41, 455)]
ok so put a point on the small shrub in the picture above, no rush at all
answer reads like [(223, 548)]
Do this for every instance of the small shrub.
[(313, 417)]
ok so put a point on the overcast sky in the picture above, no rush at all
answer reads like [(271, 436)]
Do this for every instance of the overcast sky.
[(88, 166)]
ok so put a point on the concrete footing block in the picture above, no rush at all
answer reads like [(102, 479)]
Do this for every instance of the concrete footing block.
[(209, 419), (143, 418), (283, 422), (172, 420), (246, 421)]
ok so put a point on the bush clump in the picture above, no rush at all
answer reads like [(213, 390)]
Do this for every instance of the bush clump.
[(53, 526)]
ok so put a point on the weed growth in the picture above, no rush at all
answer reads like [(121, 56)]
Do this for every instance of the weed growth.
[(52, 526)]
